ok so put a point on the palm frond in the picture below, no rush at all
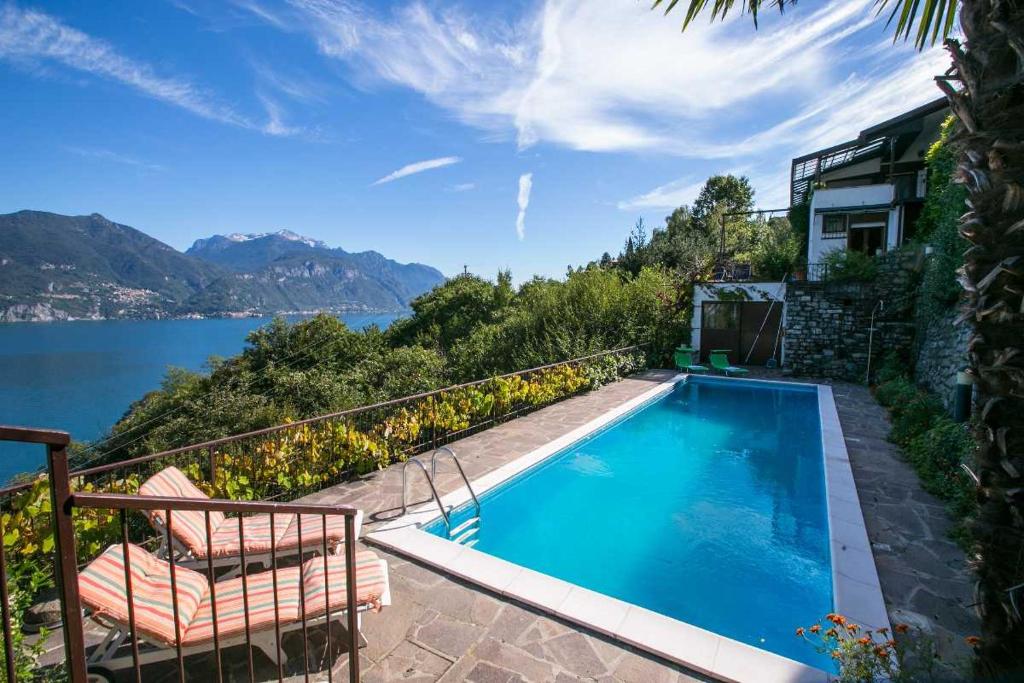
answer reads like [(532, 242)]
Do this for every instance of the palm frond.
[(934, 19), (720, 8)]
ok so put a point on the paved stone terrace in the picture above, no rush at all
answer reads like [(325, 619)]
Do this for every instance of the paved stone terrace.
[(440, 628), (924, 575)]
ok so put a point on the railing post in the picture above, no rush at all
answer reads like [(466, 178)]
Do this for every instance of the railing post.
[(66, 560), (213, 468)]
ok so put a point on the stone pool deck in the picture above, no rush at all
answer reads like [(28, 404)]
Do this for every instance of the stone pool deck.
[(440, 628)]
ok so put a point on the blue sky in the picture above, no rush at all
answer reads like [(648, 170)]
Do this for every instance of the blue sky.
[(526, 135)]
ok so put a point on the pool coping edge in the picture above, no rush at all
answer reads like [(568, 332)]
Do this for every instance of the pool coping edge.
[(856, 591)]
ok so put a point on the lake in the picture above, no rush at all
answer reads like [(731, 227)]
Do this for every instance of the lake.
[(81, 376)]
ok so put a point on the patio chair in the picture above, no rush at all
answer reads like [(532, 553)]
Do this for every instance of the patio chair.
[(720, 361), (684, 358), (102, 589), (188, 527)]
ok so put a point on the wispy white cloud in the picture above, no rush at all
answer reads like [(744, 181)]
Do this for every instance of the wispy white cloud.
[(590, 76), (290, 83), (29, 35), (670, 195), (110, 155), (418, 167), (525, 186), (462, 187)]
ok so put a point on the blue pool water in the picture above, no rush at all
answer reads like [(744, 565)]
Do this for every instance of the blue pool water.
[(706, 505)]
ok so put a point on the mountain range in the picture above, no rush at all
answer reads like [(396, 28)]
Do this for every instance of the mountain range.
[(55, 267)]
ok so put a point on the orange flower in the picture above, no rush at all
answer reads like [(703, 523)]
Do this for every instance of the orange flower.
[(852, 628), (831, 633), (833, 617), (864, 641), (883, 631), (901, 628), (835, 654), (800, 631), (881, 652), (972, 640), (815, 628)]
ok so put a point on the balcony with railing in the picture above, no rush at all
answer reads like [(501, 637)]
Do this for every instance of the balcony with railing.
[(148, 585)]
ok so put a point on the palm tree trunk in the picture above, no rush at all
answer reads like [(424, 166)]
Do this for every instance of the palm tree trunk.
[(986, 92)]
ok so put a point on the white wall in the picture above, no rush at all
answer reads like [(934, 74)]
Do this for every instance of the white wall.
[(755, 291), (865, 195)]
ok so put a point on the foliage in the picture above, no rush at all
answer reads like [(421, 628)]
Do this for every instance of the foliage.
[(844, 265), (450, 312), (690, 241), (864, 656), (896, 392), (594, 309), (938, 226), (799, 217), (937, 454), (307, 457), (777, 249), (894, 366), (24, 581), (934, 445), (914, 417), (934, 22)]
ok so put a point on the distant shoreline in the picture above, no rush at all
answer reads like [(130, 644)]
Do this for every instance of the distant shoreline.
[(225, 315)]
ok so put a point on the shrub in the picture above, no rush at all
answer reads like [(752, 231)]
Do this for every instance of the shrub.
[(893, 367), (937, 455), (843, 265), (914, 417), (896, 392), (25, 580)]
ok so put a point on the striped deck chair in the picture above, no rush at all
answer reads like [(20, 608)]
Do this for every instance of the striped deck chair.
[(102, 589), (189, 529)]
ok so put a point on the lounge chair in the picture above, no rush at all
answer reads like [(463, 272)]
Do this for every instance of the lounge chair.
[(720, 361), (190, 546), (102, 589), (684, 356)]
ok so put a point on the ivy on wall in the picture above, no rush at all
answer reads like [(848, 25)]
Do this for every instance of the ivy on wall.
[(937, 226)]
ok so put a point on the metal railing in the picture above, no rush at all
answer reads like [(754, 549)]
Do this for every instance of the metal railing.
[(102, 494), (65, 503)]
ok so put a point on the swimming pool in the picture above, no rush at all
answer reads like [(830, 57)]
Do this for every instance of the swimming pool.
[(707, 502)]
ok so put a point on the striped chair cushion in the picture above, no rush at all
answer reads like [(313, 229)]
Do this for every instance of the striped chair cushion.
[(189, 527), (257, 534), (231, 606), (371, 582), (313, 532), (102, 588)]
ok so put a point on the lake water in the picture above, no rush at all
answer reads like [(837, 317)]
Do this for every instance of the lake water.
[(81, 376)]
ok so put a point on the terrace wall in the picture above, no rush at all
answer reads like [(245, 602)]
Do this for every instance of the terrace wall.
[(941, 352), (828, 323)]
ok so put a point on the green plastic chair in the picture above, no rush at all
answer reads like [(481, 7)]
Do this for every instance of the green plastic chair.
[(720, 361), (684, 356)]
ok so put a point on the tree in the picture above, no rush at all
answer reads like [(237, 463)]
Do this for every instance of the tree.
[(985, 88)]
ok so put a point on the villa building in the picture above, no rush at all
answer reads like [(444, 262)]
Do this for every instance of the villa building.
[(866, 194)]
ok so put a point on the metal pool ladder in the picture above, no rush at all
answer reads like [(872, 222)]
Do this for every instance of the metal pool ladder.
[(465, 532)]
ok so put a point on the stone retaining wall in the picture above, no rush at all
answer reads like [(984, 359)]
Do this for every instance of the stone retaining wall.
[(941, 352), (828, 323)]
